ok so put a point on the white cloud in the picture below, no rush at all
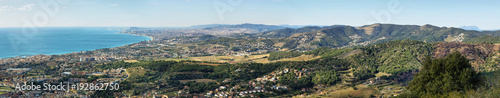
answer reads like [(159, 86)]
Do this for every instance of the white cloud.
[(6, 8), (26, 7), (114, 5)]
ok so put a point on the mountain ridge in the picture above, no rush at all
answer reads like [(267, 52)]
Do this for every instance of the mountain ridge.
[(349, 36)]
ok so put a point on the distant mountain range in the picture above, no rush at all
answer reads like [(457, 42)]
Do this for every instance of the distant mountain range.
[(470, 28), (247, 27), (336, 36), (311, 37)]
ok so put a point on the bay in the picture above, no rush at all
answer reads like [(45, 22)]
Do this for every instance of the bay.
[(60, 40)]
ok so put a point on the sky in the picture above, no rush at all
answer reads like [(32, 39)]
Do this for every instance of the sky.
[(182, 13)]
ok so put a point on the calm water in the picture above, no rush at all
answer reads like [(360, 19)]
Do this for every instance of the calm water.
[(60, 40)]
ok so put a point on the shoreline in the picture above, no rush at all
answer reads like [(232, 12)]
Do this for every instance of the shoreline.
[(57, 54)]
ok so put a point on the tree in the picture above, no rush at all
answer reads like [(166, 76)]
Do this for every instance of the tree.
[(440, 76), (294, 83), (235, 49), (326, 77)]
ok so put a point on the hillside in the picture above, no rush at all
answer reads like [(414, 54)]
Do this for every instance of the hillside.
[(287, 32), (391, 64), (483, 57)]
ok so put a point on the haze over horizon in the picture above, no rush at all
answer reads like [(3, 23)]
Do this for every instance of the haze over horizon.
[(183, 13)]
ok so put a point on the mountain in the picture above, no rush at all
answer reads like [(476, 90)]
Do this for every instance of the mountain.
[(287, 32), (348, 36), (300, 26), (470, 28)]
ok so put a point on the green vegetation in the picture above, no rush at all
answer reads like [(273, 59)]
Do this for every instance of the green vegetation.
[(394, 57), (287, 32), (443, 76), (323, 52), (235, 49), (397, 58), (283, 54), (166, 74), (296, 84), (341, 36), (326, 77)]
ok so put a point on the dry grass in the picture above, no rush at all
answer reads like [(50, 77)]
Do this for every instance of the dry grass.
[(136, 72), (172, 59), (209, 64), (303, 57), (449, 38), (380, 74), (280, 44), (130, 61), (198, 80)]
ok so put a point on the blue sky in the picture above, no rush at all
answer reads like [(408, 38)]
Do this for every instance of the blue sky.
[(180, 13)]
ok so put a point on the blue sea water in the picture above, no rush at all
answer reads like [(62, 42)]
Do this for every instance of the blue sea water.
[(60, 40)]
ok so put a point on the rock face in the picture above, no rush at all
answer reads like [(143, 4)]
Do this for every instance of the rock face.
[(478, 54)]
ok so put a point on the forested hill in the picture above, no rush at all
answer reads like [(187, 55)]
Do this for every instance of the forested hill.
[(348, 36), (287, 32)]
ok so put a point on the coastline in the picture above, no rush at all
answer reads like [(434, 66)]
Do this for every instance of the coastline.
[(65, 53)]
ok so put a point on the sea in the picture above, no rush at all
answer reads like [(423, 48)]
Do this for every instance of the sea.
[(21, 42)]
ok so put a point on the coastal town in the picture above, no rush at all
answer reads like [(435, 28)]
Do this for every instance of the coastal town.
[(77, 67), (101, 66), (249, 49)]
